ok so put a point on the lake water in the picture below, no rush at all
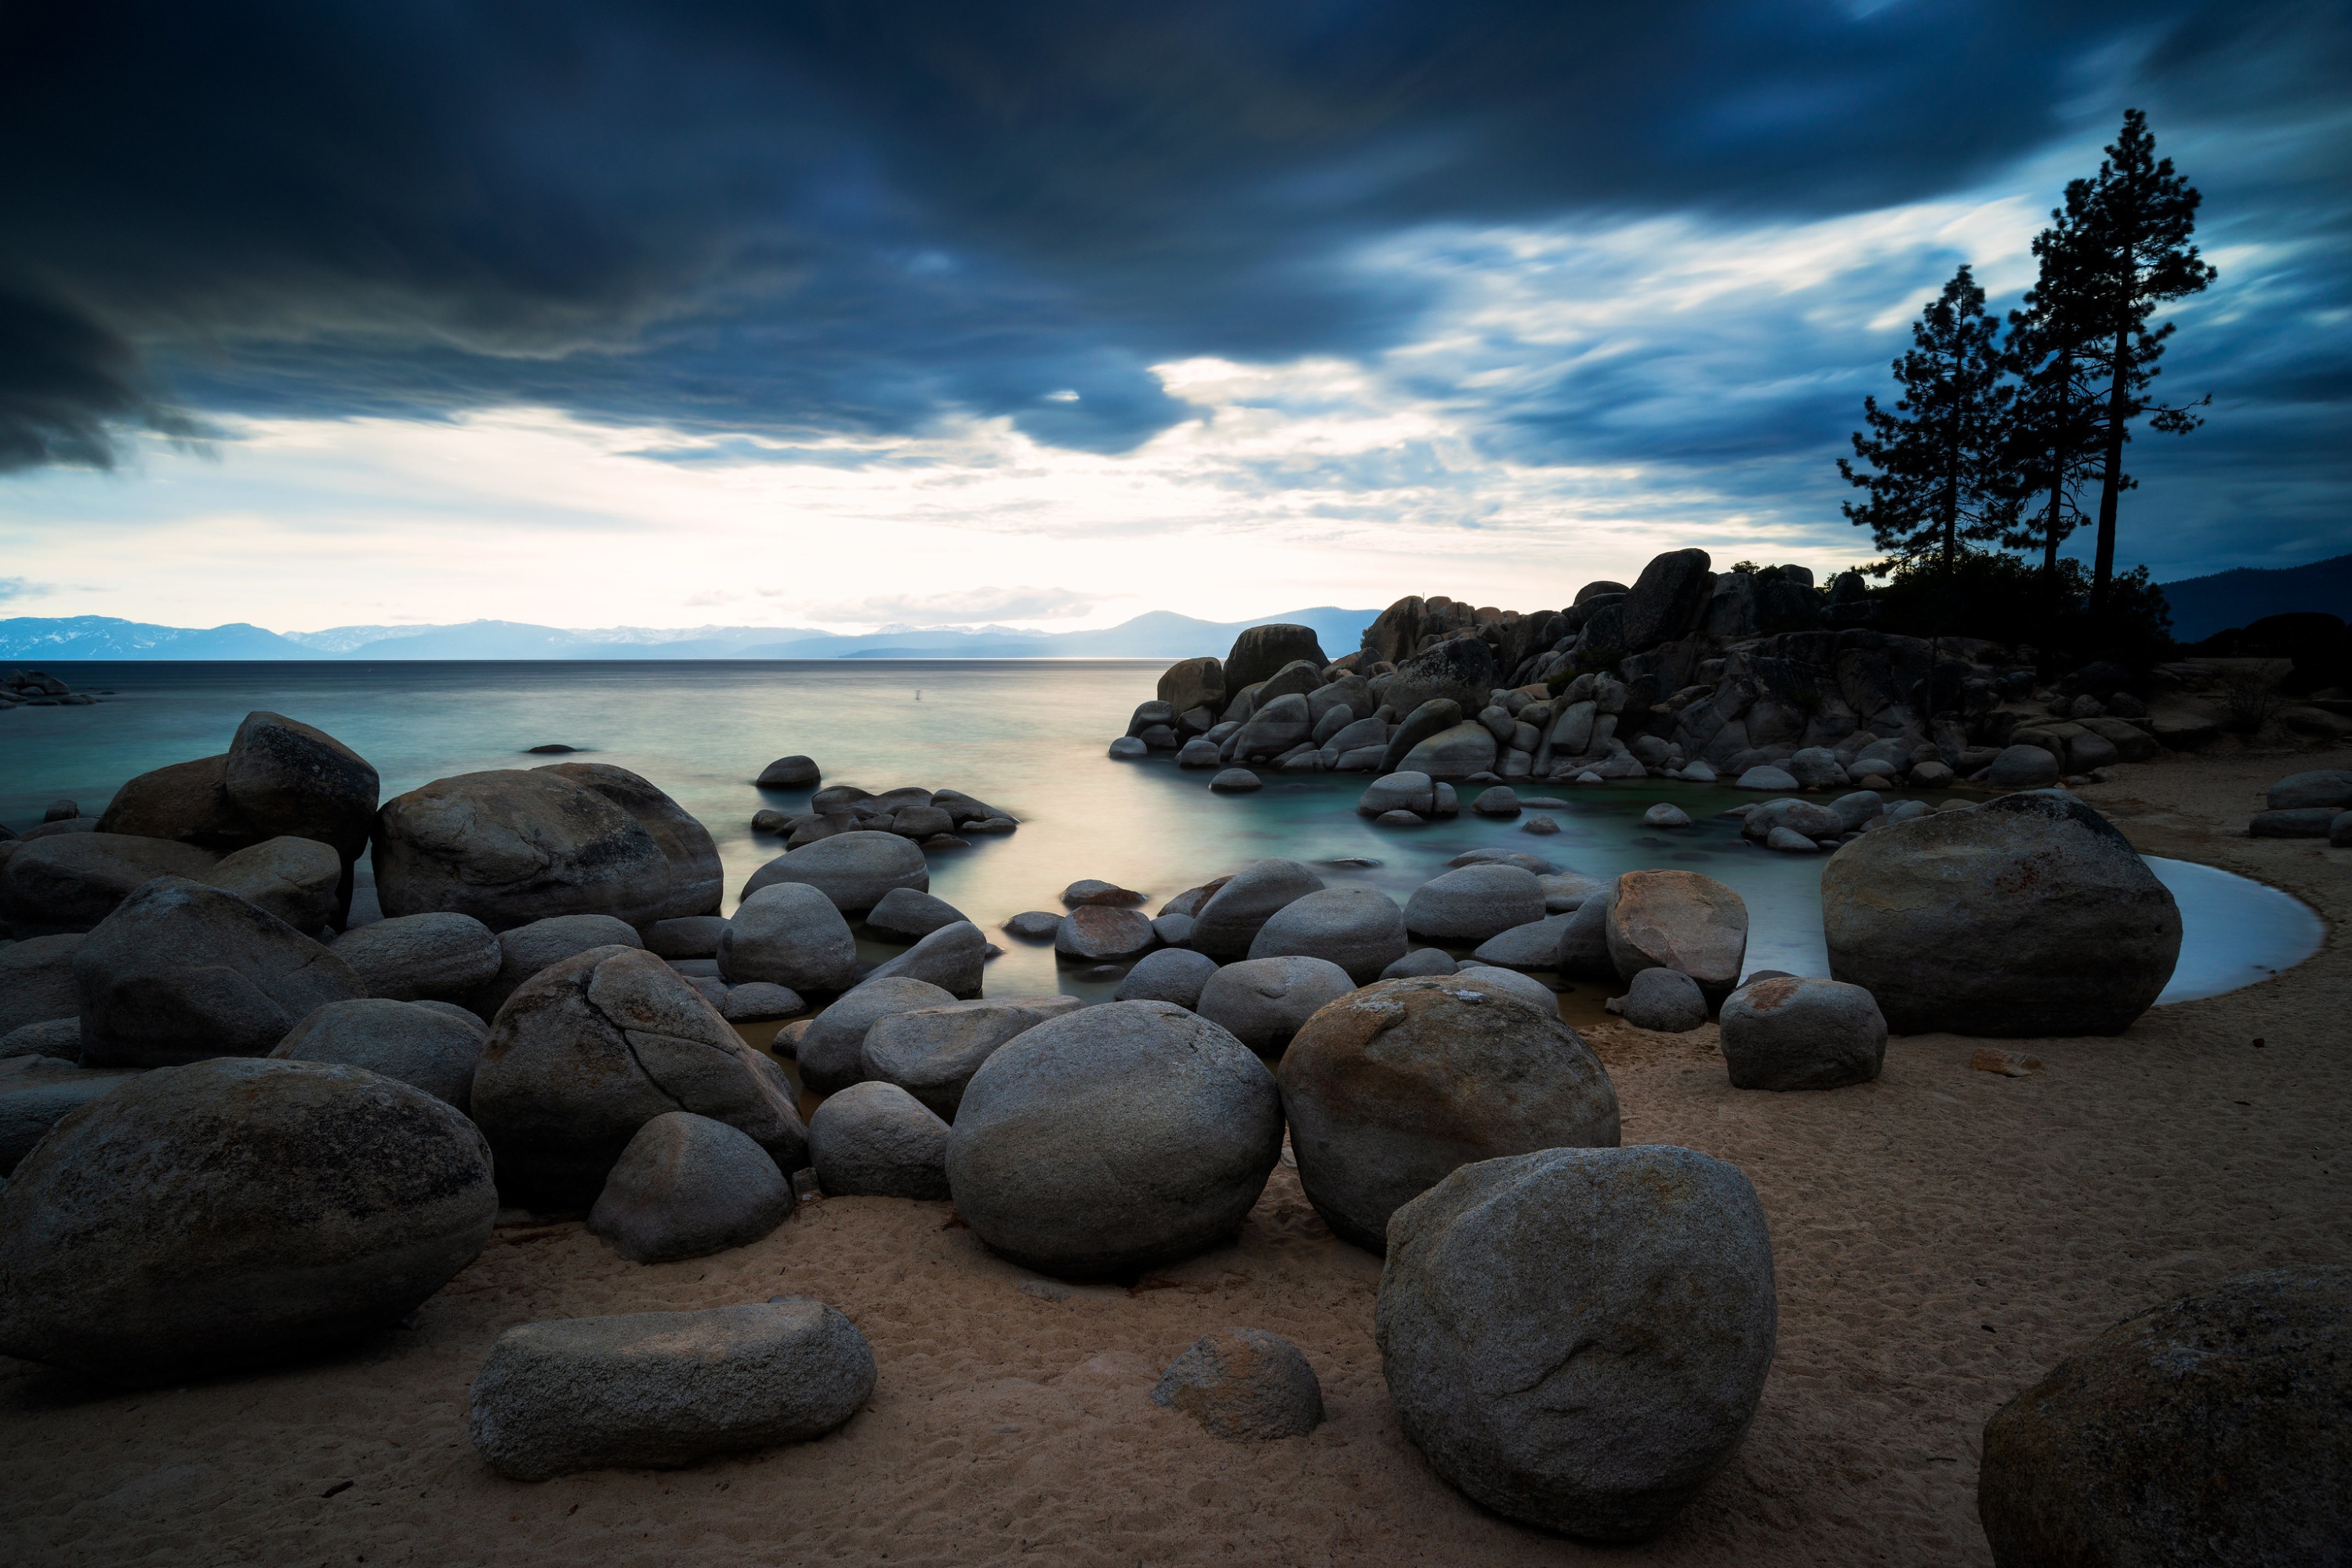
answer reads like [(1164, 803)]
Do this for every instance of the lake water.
[(1027, 736)]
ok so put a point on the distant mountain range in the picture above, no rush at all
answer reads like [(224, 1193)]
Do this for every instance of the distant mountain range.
[(31, 639), (2203, 606)]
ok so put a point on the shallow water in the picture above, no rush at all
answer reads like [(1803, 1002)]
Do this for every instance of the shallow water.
[(1027, 736)]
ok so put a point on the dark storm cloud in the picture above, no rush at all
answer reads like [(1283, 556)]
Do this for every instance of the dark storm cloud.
[(797, 219)]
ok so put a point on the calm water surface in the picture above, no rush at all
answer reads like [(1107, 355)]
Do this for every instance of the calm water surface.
[(1027, 736)]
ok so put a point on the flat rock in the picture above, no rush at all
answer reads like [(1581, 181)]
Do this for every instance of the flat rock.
[(432, 1048), (664, 1389), (1035, 925), (1783, 1033), (686, 1186), (931, 1052), (856, 870), (1171, 974), (2294, 822), (1474, 903), (1578, 1338), (1263, 1001), (876, 1139), (1390, 1087), (1359, 929), (1245, 1384), (1229, 920), (413, 958), (832, 1052), (1679, 920), (1457, 753), (758, 1002)]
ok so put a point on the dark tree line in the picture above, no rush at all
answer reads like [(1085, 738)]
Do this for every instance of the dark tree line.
[(1996, 439)]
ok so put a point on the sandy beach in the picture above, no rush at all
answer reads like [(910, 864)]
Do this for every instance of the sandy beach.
[(1941, 1237)]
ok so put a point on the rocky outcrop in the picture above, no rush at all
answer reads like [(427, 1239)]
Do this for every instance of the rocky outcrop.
[(1259, 651)]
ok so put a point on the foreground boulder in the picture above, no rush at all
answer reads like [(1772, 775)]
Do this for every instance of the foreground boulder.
[(665, 1389), (789, 935), (419, 958), (182, 1224), (2029, 915), (1679, 920), (436, 1049), (856, 870), (1113, 1137), (71, 881), (1262, 1002), (1245, 1384), (931, 1051), (182, 972), (1390, 1087), (591, 1049), (686, 1186), (2215, 1428), (1359, 929), (1229, 920), (876, 1139), (510, 846), (1789, 1033), (1578, 1338)]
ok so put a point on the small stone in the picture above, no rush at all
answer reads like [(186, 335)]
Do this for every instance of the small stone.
[(1128, 748), (2008, 1063), (1540, 824), (789, 935), (1172, 975), (1768, 778), (1034, 925), (1092, 891), (1789, 841), (876, 1139), (1245, 1384), (689, 936), (794, 771), (1233, 780), (952, 958), (1666, 814), (1666, 1001), (1500, 801), (688, 1186), (431, 1049), (1397, 819)]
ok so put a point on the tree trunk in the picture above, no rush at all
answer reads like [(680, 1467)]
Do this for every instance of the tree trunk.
[(2103, 566)]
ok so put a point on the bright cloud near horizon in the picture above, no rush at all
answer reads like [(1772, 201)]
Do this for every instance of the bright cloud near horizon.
[(766, 316)]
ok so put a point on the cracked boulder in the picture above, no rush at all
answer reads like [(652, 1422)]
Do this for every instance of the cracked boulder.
[(590, 1049)]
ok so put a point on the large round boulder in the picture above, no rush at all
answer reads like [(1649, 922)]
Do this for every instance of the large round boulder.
[(71, 881), (2029, 915), (1114, 1138), (419, 958), (236, 1212), (1390, 1087), (697, 879), (1452, 754), (1793, 1033), (591, 1048), (185, 800), (182, 971), (2215, 1428), (831, 1053), (1468, 906), (435, 1049), (1359, 929), (1172, 975), (1262, 1002), (1259, 651), (1679, 920), (1230, 919), (853, 869), (789, 934), (510, 846), (688, 1186), (289, 780), (1578, 1338)]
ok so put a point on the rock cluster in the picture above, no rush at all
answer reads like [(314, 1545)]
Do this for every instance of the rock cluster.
[(933, 818)]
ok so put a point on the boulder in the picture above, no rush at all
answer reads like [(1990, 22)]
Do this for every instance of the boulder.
[(664, 1389), (1191, 683), (1568, 891), (1128, 749), (181, 971), (1665, 1000), (1584, 939), (2029, 915), (2296, 822), (1532, 946), (432, 1048), (950, 958), (236, 1212), (1245, 1385), (1397, 819), (1035, 925), (2022, 767), (1172, 975), (524, 950), (1092, 933), (2210, 1430), (37, 1094), (510, 846), (794, 771), (413, 958), (1236, 781), (288, 780), (1787, 1033), (1524, 861), (856, 870), (71, 881), (1816, 767), (1679, 920), (689, 936), (688, 1186), (1789, 841), (1388, 1089), (1457, 753), (1262, 1002), (1804, 818), (1474, 903), (1510, 983), (831, 1053), (1358, 929), (186, 801), (1666, 814), (1765, 776), (57, 1038), (932, 1051), (1173, 931), (2330, 787), (1419, 961), (906, 915), (37, 981), (1666, 599), (1578, 1338), (1275, 728), (1229, 920), (1432, 717), (1114, 1138), (1200, 752), (294, 879), (1459, 670), (876, 1139), (589, 1050), (1260, 651), (1396, 792)]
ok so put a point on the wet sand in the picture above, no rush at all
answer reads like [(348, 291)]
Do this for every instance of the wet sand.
[(1941, 1236)]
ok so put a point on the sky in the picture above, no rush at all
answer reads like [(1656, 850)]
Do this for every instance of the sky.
[(1048, 314)]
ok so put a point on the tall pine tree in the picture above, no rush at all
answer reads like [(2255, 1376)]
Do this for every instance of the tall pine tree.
[(2125, 250), (1939, 473), (2053, 434)]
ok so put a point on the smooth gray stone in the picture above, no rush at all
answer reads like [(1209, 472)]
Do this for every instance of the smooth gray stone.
[(1789, 841), (876, 1139), (791, 934), (2024, 767), (1584, 939), (424, 1048), (1363, 735), (1816, 767), (1510, 982), (1172, 975), (2329, 787), (1457, 753), (1245, 1384), (591, 1048), (59, 1037), (906, 915), (1260, 652), (1765, 776), (1114, 1138), (832, 1052), (1420, 960), (1784, 1033), (1535, 945), (71, 881), (1396, 791), (853, 869), (1849, 812), (1666, 1001), (795, 771), (1666, 814), (182, 971), (1235, 780), (931, 1052), (759, 1001), (1474, 903), (689, 936), (1568, 891), (2029, 915), (37, 979), (415, 958), (1262, 1002), (1230, 919), (1591, 1384), (1681, 921), (2295, 822), (1501, 800), (38, 1097), (1200, 752), (236, 1212), (1806, 818), (295, 880), (1273, 728), (1519, 858), (1126, 748), (1035, 925), (1359, 929), (688, 1186), (1173, 931), (1388, 1090), (950, 958), (1432, 717), (524, 950), (660, 1390), (1096, 935)]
